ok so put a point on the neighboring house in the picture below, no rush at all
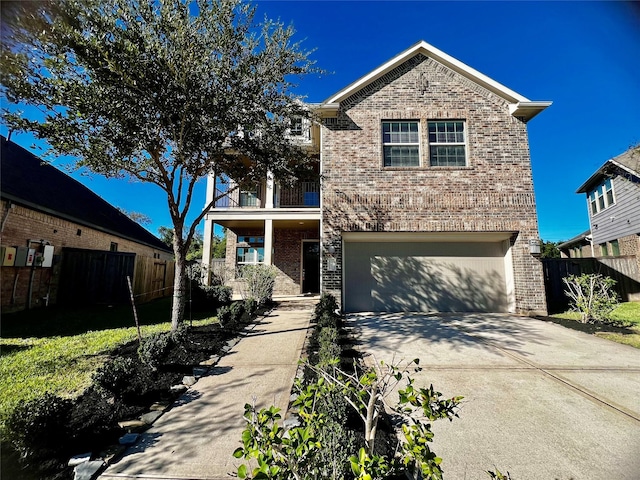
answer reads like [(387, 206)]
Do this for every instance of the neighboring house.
[(427, 200), (62, 243), (613, 203), (580, 246)]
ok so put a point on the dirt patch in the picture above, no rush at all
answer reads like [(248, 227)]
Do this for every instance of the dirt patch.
[(591, 328)]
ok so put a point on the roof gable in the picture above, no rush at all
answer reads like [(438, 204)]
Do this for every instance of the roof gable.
[(626, 164), (29, 181), (520, 106)]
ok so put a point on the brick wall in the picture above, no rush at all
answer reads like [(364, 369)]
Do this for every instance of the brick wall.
[(493, 193), (287, 255), (23, 224), (630, 245)]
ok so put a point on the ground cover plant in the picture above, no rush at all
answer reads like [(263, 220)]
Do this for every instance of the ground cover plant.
[(347, 427), (622, 326), (64, 390)]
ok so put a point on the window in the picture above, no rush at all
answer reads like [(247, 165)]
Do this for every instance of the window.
[(615, 248), (296, 127), (447, 144), (603, 250), (250, 250), (248, 198), (113, 247), (601, 197), (401, 144)]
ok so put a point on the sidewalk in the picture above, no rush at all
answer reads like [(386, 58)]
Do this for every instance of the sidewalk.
[(195, 439)]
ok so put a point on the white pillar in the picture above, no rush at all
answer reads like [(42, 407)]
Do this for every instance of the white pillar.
[(270, 191), (268, 242), (208, 231)]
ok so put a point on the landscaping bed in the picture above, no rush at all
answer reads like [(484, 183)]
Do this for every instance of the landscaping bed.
[(50, 430)]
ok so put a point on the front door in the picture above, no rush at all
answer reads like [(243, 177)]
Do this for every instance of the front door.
[(311, 267)]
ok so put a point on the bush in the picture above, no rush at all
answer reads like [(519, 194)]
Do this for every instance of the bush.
[(251, 307), (113, 376), (153, 349), (258, 282), (224, 315), (329, 350), (591, 295), (326, 304), (209, 296), (237, 310), (35, 428)]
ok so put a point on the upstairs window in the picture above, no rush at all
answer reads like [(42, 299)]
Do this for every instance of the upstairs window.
[(296, 127), (447, 147), (601, 197), (401, 144)]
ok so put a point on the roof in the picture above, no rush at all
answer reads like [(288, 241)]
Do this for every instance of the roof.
[(627, 163), (33, 183), (520, 106), (577, 239)]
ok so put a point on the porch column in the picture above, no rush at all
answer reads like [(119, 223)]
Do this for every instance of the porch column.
[(268, 242), (270, 191), (208, 231)]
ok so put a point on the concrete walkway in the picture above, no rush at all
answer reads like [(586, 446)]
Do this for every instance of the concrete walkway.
[(541, 401), (195, 439)]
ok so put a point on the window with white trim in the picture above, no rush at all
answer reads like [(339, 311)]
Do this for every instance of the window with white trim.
[(249, 250), (401, 143), (601, 197), (296, 127), (447, 144)]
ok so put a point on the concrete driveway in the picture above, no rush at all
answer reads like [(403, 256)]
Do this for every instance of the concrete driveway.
[(541, 401)]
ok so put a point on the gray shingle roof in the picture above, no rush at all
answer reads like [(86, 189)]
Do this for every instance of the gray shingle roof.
[(26, 180)]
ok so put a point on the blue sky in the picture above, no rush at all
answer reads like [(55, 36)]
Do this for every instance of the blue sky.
[(583, 56)]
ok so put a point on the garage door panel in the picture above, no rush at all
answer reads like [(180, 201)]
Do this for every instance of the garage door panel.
[(425, 277)]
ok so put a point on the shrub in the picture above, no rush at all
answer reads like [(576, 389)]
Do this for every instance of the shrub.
[(224, 315), (591, 295), (258, 282), (153, 349), (237, 310), (209, 296), (327, 303), (251, 307), (113, 376), (36, 427), (329, 350)]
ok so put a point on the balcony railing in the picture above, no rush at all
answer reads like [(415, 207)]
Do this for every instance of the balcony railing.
[(302, 195)]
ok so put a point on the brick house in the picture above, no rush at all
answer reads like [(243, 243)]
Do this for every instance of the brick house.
[(427, 199), (59, 237)]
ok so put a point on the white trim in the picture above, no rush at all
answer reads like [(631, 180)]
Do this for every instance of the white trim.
[(521, 103)]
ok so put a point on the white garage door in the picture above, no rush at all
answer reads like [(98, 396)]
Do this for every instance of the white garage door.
[(442, 276)]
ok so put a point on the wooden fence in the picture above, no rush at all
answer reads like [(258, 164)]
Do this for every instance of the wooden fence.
[(153, 278), (624, 270)]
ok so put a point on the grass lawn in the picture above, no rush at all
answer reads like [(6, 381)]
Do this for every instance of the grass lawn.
[(627, 319), (58, 350)]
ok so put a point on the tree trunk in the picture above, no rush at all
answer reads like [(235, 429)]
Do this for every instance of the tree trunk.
[(179, 285)]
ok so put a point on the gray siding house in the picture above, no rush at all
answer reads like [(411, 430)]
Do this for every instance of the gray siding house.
[(613, 203), (426, 200)]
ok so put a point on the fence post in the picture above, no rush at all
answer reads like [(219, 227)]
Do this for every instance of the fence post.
[(133, 306)]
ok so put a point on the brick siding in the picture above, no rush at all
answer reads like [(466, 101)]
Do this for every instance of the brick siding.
[(23, 224), (493, 193)]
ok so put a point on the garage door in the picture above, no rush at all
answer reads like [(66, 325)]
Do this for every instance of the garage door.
[(443, 276)]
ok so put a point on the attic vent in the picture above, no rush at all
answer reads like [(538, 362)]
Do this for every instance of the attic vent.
[(422, 83), (330, 121)]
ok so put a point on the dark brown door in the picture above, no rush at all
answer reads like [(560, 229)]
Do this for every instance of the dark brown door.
[(310, 267)]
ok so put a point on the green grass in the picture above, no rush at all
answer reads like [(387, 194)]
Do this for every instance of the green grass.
[(626, 315), (58, 350)]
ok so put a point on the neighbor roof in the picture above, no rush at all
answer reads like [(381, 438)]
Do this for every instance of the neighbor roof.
[(520, 106), (577, 239), (28, 181), (627, 162)]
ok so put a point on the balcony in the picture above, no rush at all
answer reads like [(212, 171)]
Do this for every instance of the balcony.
[(302, 195)]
